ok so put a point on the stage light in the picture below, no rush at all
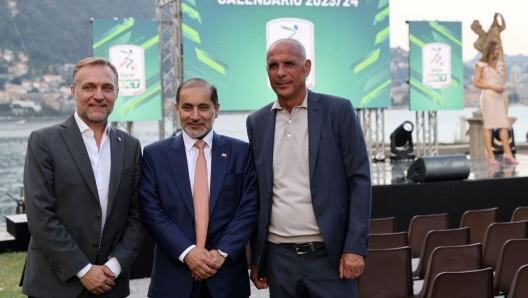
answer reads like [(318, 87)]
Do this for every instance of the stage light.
[(496, 142), (401, 142)]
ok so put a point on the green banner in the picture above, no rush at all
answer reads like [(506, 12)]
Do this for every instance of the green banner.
[(225, 42), (133, 47), (436, 68)]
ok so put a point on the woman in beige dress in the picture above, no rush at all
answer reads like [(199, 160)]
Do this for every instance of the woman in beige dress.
[(489, 74)]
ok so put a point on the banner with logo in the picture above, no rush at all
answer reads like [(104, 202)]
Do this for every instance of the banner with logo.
[(133, 47), (436, 68), (225, 42)]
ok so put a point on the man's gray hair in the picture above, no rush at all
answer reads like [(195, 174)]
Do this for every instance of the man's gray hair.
[(296, 43)]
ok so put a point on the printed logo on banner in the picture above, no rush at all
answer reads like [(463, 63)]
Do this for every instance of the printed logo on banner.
[(130, 63), (298, 29), (436, 65)]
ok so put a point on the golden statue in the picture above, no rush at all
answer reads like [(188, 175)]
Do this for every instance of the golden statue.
[(492, 34)]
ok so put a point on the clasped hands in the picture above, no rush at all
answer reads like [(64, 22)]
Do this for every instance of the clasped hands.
[(98, 280), (203, 263)]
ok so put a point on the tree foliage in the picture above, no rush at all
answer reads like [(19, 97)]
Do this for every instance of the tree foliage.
[(59, 31)]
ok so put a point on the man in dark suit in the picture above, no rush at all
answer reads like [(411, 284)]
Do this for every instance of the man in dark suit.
[(81, 180), (314, 185), (199, 201)]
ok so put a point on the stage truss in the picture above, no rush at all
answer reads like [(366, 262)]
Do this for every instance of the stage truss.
[(168, 15), (373, 124), (426, 133)]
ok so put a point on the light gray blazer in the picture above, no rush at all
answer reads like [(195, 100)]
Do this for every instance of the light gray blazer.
[(64, 214)]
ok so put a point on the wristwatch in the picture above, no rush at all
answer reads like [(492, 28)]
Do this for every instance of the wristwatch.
[(223, 253)]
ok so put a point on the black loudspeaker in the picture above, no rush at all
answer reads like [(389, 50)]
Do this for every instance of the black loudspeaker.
[(439, 168)]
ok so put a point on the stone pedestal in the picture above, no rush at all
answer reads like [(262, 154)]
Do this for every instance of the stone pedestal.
[(476, 144)]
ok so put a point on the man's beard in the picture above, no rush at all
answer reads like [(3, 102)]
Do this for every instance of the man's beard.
[(200, 134)]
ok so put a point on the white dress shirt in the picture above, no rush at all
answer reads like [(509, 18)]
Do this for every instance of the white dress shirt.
[(192, 154), (100, 159)]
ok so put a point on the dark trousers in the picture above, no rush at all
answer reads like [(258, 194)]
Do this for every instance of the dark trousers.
[(310, 275), (200, 290)]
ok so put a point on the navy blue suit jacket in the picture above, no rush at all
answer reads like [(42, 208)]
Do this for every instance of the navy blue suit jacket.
[(339, 175), (168, 214)]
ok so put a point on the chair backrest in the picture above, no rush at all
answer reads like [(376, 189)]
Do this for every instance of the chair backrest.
[(519, 288), (496, 235), (474, 283), (383, 225), (514, 255), (391, 240), (451, 259), (434, 239), (387, 274), (478, 222), (521, 213), (421, 225)]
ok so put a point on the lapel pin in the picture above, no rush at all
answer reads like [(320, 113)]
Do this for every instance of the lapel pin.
[(119, 138), (224, 155)]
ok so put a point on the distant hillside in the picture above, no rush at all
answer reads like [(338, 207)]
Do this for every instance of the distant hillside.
[(59, 31)]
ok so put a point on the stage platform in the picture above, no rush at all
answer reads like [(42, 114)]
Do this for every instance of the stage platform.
[(502, 186), (386, 173)]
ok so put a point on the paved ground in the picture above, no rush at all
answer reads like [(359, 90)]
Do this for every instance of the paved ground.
[(139, 289)]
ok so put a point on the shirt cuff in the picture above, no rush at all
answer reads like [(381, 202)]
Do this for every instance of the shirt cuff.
[(185, 252), (83, 271), (114, 265)]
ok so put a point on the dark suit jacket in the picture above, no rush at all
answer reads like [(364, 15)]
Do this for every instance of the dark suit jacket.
[(64, 213), (339, 175), (167, 212)]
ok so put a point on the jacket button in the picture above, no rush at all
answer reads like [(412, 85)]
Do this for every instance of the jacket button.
[(192, 223), (95, 246), (98, 217)]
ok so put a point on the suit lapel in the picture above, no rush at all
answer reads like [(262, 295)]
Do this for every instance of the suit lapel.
[(117, 155), (74, 141), (315, 120), (219, 158), (178, 162), (267, 152)]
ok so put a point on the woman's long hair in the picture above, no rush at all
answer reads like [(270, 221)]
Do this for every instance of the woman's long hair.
[(487, 55)]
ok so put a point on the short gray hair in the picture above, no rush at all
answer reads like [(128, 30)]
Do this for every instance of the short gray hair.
[(295, 42)]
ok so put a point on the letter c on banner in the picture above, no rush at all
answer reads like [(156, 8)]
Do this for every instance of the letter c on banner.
[(221, 2)]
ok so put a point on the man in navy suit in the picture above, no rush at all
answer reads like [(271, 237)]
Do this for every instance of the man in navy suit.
[(183, 266), (314, 185)]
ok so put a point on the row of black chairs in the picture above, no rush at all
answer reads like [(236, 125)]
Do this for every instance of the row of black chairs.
[(447, 254), (387, 272)]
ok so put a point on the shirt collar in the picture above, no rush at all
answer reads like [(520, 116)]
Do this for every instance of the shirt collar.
[(84, 127), (304, 104), (189, 141)]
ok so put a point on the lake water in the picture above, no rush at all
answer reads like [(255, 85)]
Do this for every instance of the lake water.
[(14, 135)]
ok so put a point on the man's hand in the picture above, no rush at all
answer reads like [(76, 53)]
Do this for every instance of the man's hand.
[(201, 262), (98, 280), (351, 265), (259, 283), (219, 259)]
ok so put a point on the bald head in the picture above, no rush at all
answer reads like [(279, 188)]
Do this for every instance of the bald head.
[(298, 47)]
